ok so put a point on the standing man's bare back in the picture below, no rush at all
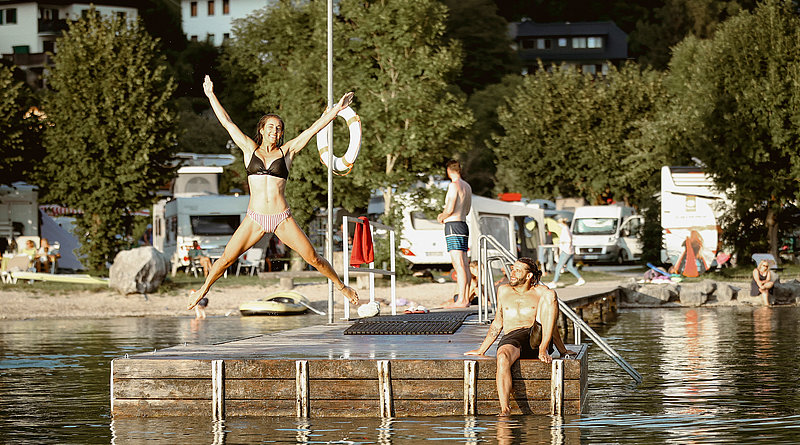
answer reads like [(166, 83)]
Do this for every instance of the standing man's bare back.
[(457, 204)]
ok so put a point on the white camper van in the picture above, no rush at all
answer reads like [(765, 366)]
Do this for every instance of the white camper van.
[(606, 233), (690, 210), (517, 227), (210, 220)]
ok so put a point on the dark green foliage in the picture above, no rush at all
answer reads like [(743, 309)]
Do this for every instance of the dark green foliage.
[(737, 109), (567, 134), (20, 130), (110, 135)]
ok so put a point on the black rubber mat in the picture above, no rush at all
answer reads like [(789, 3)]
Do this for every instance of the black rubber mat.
[(432, 323)]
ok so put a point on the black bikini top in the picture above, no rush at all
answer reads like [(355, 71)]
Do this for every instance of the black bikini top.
[(277, 169)]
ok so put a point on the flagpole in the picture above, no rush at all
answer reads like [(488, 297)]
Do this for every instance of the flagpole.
[(329, 233)]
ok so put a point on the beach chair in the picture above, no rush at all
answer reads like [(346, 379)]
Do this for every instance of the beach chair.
[(253, 258), (18, 263)]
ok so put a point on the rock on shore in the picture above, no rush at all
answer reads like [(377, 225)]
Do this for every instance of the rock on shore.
[(704, 293)]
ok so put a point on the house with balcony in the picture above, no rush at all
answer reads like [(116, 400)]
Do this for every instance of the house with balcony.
[(28, 30), (590, 46), (212, 20)]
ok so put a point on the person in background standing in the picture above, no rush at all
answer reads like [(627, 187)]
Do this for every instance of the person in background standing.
[(566, 255)]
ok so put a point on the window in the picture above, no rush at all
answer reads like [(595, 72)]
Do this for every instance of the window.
[(594, 42), (193, 9), (497, 226), (595, 226), (193, 38), (210, 38), (543, 43), (122, 15), (579, 42), (589, 69), (562, 42), (527, 43), (210, 7), (49, 46), (226, 36), (226, 7), (209, 225), (11, 16)]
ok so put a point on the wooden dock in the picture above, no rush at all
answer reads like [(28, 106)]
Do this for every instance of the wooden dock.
[(320, 372)]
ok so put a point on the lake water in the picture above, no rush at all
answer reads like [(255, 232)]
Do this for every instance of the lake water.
[(711, 375)]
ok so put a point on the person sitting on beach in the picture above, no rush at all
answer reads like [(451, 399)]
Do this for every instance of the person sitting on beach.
[(46, 256), (29, 249), (763, 282), (527, 312), (267, 161), (196, 252)]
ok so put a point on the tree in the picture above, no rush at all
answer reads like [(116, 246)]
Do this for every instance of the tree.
[(488, 53), (654, 37), (568, 134), (737, 109), (397, 59), (110, 135), (20, 130)]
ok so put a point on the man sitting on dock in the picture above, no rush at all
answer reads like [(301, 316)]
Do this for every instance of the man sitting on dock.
[(527, 311)]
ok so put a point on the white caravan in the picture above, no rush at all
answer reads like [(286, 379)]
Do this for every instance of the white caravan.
[(519, 228), (209, 220), (606, 233), (690, 210)]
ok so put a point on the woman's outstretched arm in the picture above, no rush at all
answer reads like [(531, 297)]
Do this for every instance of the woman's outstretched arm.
[(297, 144), (239, 138)]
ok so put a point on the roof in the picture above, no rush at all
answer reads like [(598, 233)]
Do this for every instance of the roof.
[(534, 29)]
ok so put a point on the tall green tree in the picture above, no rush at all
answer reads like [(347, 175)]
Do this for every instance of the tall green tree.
[(737, 109), (568, 134), (110, 134), (397, 59)]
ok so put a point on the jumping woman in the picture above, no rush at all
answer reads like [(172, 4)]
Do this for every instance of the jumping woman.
[(267, 160)]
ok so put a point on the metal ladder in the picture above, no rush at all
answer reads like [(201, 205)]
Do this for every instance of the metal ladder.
[(505, 257)]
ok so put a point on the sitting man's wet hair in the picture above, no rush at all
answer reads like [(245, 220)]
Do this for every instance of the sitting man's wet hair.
[(532, 268)]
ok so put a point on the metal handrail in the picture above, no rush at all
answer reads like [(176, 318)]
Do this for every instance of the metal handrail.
[(580, 325)]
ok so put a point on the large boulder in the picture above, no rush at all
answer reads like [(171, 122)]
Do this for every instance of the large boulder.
[(725, 293), (644, 295), (140, 270), (786, 293), (696, 294)]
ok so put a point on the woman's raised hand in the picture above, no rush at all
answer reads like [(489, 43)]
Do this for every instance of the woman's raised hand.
[(208, 86), (346, 100)]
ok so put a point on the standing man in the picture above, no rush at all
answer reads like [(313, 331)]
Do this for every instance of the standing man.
[(456, 207), (566, 256), (527, 312)]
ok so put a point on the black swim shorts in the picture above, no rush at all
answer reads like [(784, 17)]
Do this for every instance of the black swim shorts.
[(527, 340), (456, 233)]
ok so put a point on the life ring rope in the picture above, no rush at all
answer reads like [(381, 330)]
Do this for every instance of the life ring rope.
[(342, 165)]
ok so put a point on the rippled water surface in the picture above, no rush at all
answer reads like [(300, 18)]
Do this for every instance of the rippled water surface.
[(711, 375)]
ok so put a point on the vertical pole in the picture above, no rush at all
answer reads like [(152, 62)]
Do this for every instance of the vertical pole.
[(329, 233), (112, 388), (346, 262), (385, 388), (394, 271), (557, 388), (218, 389), (470, 387), (301, 387)]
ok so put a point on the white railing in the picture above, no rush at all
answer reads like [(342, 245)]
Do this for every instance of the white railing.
[(371, 269), (507, 258)]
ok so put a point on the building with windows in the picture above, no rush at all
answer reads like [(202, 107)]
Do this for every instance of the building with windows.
[(590, 46), (211, 20), (28, 30)]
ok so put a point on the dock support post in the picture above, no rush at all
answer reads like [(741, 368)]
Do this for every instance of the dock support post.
[(112, 387), (577, 333), (301, 387), (385, 388), (470, 387), (218, 389), (557, 388)]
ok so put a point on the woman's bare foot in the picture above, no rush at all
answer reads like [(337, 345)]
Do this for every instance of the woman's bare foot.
[(455, 304), (350, 294), (194, 298)]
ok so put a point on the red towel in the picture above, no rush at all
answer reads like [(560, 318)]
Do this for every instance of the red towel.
[(362, 244)]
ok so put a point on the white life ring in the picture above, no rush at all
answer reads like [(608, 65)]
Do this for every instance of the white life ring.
[(344, 164)]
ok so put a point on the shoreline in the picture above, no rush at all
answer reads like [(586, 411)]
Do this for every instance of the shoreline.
[(223, 301)]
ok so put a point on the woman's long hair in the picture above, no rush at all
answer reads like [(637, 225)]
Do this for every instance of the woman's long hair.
[(260, 126)]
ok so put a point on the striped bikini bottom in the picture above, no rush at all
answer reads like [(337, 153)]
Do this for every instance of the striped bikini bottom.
[(268, 222)]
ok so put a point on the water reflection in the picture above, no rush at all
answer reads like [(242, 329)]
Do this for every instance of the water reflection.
[(723, 375)]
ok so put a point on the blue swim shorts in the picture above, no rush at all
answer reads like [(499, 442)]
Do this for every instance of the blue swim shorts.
[(456, 233)]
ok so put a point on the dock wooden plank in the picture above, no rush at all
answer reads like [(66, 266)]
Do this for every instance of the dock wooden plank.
[(162, 389), (161, 369), (161, 408)]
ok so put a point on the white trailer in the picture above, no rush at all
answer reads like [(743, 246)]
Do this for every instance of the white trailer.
[(606, 233), (519, 228), (691, 207), (209, 220)]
